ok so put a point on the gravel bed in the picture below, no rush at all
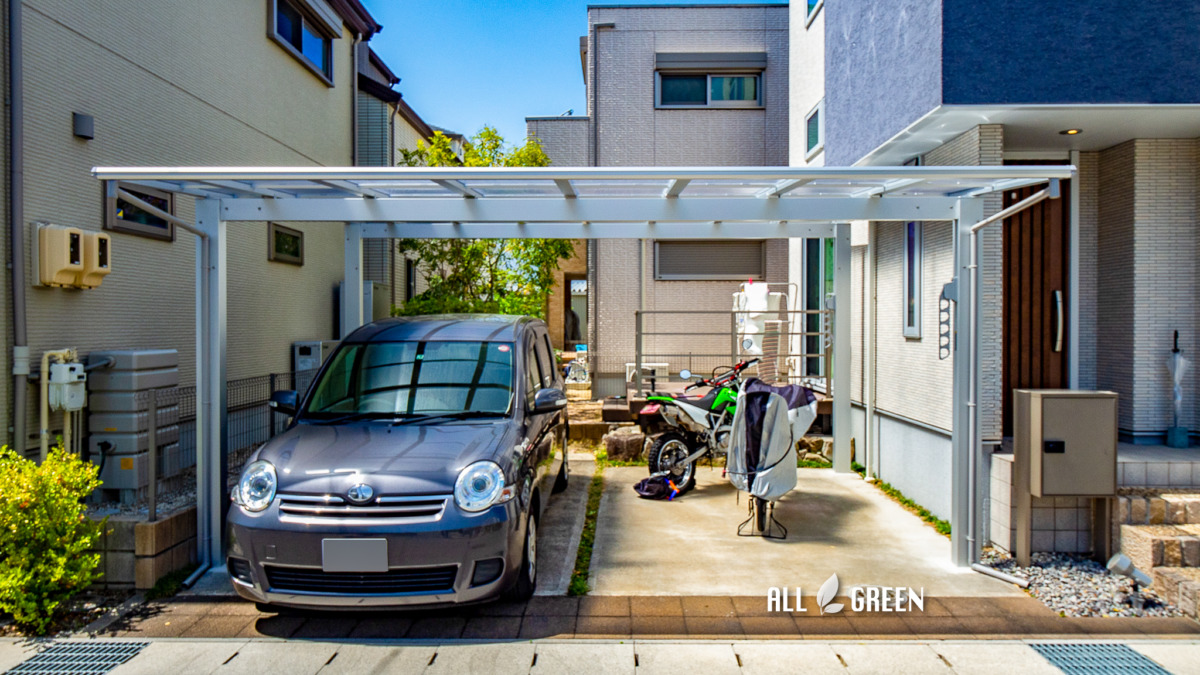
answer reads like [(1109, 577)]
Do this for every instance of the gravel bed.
[(1075, 586), (170, 501)]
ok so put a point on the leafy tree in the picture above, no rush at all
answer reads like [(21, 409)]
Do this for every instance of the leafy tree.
[(501, 276)]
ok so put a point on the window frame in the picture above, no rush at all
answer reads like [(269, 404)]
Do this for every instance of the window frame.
[(410, 279), (114, 224), (659, 276), (813, 10), (274, 229), (709, 104), (316, 28), (819, 111), (911, 289)]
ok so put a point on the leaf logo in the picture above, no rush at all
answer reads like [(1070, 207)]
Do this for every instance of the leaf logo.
[(826, 594)]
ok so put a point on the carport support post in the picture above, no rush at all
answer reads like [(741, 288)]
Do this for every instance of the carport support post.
[(211, 421), (352, 283), (842, 429), (964, 455)]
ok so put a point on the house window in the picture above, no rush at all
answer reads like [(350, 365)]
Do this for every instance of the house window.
[(702, 90), (818, 284), (285, 245), (814, 131), (305, 39), (410, 279), (814, 6), (739, 260), (125, 216), (913, 256)]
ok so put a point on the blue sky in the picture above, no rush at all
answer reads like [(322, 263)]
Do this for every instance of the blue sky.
[(463, 64)]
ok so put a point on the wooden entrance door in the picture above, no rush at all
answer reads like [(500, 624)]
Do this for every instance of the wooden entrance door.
[(1036, 267)]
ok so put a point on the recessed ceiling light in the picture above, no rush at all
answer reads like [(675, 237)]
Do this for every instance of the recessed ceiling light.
[(1071, 132)]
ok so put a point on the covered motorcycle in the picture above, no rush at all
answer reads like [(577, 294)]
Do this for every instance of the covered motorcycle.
[(761, 459)]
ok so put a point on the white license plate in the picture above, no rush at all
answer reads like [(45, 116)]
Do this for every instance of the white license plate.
[(354, 555)]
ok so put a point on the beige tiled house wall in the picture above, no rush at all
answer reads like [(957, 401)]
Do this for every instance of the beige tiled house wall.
[(135, 69), (566, 140), (1147, 249), (912, 382), (1087, 296)]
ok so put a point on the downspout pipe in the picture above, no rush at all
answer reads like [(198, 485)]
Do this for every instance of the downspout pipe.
[(16, 221), (354, 99)]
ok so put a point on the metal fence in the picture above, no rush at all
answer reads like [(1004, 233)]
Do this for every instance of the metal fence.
[(792, 345)]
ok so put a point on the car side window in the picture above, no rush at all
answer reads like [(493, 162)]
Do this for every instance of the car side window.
[(533, 377), (546, 359)]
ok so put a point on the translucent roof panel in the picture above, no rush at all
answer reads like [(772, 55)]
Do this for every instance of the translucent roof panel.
[(586, 183)]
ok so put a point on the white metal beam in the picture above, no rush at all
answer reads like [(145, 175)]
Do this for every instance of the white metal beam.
[(458, 187), (352, 282), (211, 406), (709, 230), (784, 187), (351, 188), (246, 188), (843, 307), (676, 187), (889, 187), (553, 210), (566, 188), (964, 502)]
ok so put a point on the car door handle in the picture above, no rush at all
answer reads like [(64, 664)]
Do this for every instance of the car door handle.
[(1058, 313)]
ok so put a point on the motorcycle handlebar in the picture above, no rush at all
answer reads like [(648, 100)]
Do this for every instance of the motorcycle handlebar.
[(724, 378)]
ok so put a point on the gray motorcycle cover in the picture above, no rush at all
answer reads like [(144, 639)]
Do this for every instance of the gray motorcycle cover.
[(761, 458)]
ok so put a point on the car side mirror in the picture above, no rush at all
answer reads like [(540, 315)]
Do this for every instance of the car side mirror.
[(548, 400), (284, 402)]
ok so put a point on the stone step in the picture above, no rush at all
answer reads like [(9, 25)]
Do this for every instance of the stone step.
[(589, 431), (1150, 546), (1168, 508), (1179, 586)]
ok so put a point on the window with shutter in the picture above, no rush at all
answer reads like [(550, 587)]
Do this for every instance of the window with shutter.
[(710, 260)]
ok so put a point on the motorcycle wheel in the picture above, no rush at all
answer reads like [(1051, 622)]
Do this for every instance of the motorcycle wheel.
[(669, 449)]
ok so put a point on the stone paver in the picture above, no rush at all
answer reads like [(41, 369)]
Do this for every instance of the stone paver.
[(13, 652), (983, 658), (671, 658), (291, 657), (378, 659), (1181, 659), (584, 658), (764, 658), (482, 659), (184, 657)]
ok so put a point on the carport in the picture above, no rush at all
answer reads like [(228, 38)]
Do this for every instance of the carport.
[(586, 203)]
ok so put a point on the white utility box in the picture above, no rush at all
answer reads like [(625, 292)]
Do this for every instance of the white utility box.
[(67, 386)]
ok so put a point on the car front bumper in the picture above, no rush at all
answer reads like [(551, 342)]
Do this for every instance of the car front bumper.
[(429, 564)]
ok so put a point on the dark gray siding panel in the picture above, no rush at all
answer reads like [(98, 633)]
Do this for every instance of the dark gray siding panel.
[(1071, 51), (883, 64)]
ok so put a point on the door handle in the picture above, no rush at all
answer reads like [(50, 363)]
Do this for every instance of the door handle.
[(1058, 313)]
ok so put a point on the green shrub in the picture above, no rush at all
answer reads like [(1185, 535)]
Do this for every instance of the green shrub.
[(45, 535)]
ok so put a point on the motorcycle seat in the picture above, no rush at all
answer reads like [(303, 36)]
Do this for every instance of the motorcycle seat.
[(704, 402)]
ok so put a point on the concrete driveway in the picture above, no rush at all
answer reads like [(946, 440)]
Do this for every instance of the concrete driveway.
[(837, 524)]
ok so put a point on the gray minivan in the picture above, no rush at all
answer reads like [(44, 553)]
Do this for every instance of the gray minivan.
[(414, 471)]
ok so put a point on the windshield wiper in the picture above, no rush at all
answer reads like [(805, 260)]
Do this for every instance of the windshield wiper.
[(352, 417), (460, 415)]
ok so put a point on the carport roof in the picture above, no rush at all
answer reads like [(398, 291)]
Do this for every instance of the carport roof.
[(785, 183)]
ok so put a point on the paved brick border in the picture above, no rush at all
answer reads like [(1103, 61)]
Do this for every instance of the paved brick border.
[(640, 617)]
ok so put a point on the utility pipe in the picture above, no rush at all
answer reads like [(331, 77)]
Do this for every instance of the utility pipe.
[(974, 443), (16, 219), (984, 569), (62, 355)]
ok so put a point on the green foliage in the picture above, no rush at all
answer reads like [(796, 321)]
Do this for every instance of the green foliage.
[(45, 534), (587, 538), (942, 526), (812, 464), (498, 276)]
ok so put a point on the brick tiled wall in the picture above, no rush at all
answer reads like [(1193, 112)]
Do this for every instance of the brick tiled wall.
[(1147, 250), (564, 139)]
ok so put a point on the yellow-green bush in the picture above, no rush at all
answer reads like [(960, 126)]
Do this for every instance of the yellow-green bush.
[(45, 534)]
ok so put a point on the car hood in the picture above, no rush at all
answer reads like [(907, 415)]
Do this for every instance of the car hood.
[(405, 459)]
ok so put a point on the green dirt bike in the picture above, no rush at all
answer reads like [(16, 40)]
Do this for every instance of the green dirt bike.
[(686, 429)]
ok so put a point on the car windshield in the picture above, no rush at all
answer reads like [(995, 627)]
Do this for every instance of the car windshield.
[(411, 379)]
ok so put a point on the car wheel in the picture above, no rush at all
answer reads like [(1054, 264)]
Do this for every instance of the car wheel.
[(522, 590)]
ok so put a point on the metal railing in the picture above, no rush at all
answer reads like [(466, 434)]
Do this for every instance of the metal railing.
[(702, 340), (251, 423)]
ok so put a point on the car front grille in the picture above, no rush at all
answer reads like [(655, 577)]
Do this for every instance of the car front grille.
[(391, 582), (308, 508)]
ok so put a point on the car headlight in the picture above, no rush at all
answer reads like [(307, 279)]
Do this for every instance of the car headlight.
[(256, 490), (481, 486)]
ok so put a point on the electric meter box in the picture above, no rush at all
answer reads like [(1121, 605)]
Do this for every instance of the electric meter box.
[(1070, 440), (59, 256), (97, 259), (67, 388)]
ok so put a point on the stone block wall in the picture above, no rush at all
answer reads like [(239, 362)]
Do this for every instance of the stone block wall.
[(136, 554)]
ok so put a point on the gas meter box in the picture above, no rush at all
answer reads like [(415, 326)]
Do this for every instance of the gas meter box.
[(1070, 440), (67, 386), (97, 259), (59, 257)]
